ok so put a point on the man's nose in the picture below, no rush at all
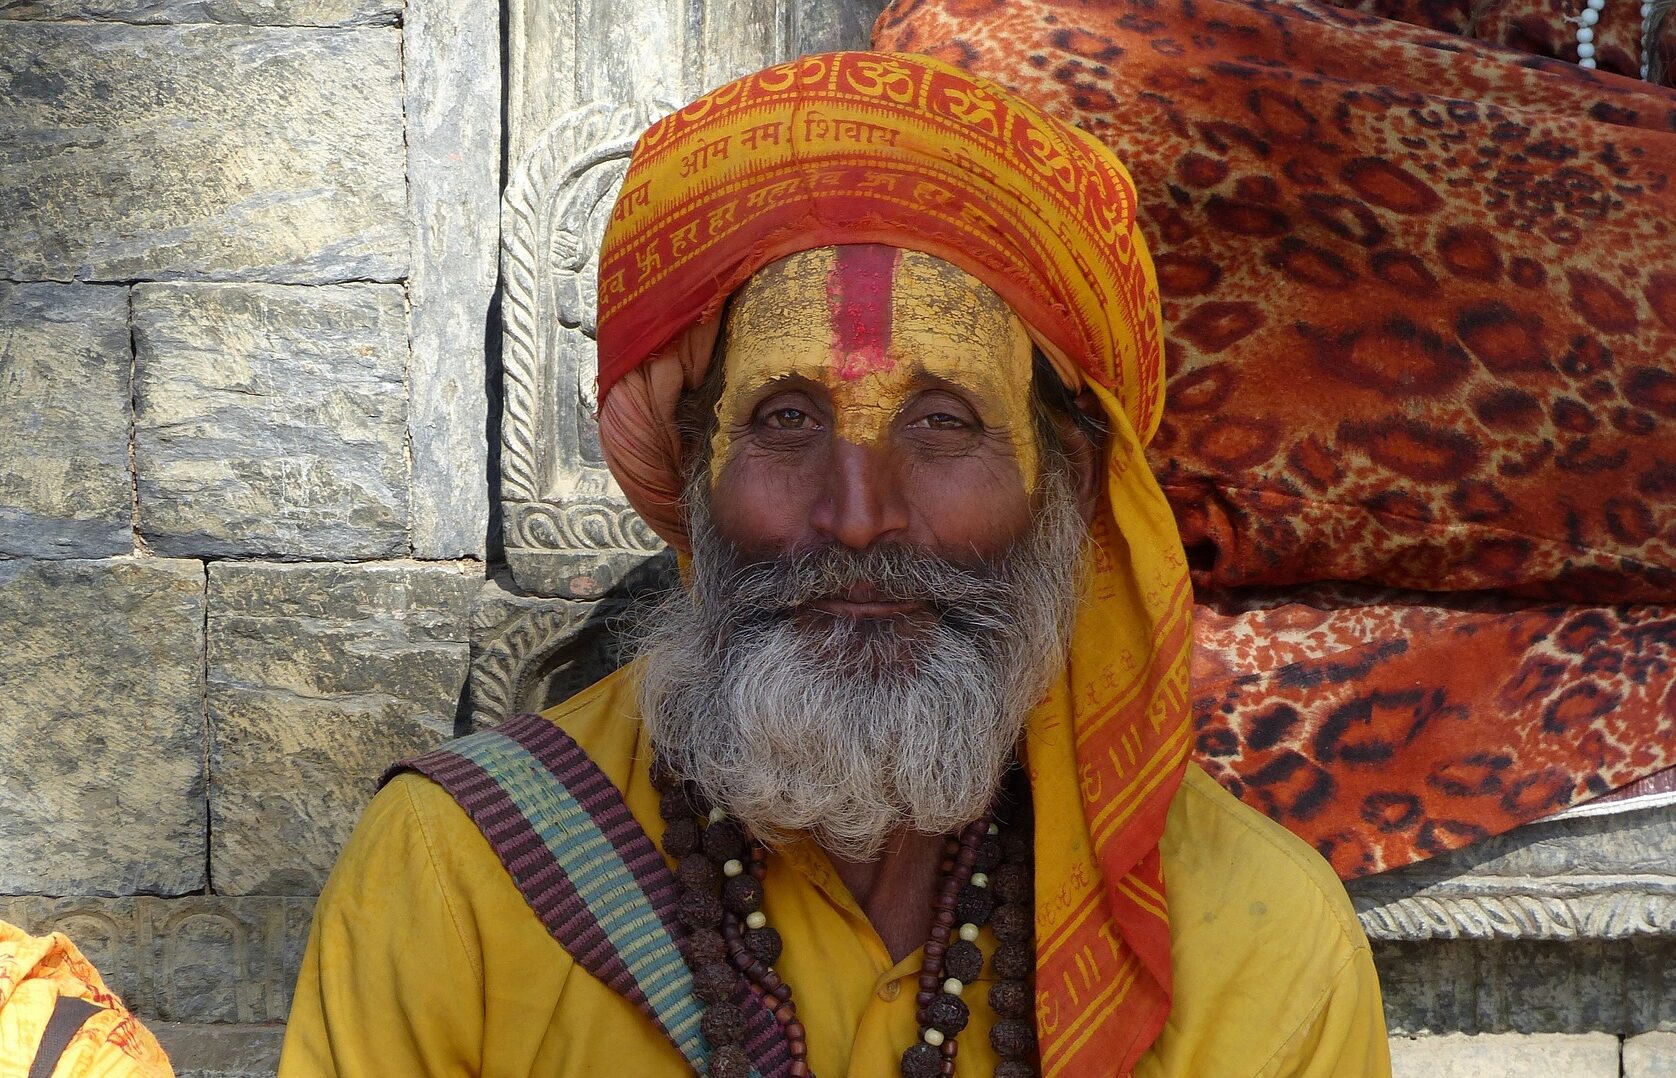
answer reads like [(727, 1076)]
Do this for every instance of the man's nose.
[(860, 500)]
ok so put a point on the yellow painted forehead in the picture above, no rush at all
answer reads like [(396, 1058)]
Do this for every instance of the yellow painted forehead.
[(870, 323)]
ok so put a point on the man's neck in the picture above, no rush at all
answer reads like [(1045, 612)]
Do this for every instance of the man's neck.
[(895, 889)]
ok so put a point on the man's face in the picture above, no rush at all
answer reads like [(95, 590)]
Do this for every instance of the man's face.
[(873, 396), (884, 569)]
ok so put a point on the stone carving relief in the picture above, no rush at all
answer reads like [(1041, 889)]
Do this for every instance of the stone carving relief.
[(585, 79), (192, 958), (569, 530), (1599, 877)]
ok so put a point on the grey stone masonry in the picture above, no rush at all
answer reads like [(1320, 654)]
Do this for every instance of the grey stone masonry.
[(452, 83), (270, 420), (244, 12), (220, 1051), (319, 677), (197, 958), (201, 151), (102, 727), (1506, 1055), (1650, 1055), (65, 488)]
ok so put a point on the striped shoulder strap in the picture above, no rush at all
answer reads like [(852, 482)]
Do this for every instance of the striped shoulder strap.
[(589, 873)]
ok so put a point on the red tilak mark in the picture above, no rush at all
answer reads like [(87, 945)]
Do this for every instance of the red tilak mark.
[(858, 299)]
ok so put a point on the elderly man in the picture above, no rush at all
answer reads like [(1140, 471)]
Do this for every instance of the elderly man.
[(879, 350)]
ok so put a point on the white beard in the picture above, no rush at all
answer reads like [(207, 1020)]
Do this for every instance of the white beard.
[(798, 722)]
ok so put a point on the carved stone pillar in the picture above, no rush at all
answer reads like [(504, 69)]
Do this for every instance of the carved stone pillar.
[(586, 77)]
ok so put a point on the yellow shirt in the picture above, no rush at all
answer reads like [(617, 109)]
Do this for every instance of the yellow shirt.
[(425, 960)]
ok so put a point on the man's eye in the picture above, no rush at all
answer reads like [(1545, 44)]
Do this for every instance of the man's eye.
[(789, 419), (943, 421)]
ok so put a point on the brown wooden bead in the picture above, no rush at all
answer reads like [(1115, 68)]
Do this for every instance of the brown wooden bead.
[(1012, 1038), (1014, 960), (765, 944), (713, 982), (680, 837), (1010, 999), (780, 989), (974, 905), (723, 1023), (924, 996), (742, 894), (729, 1061), (963, 962), (706, 945), (945, 1013), (724, 841), (921, 1061), (699, 909), (697, 872), (674, 805), (797, 1068), (1012, 883), (1012, 922), (795, 1031)]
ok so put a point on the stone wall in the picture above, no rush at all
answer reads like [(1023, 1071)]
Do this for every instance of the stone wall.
[(247, 252), (256, 470)]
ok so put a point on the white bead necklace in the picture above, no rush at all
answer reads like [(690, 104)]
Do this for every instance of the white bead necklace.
[(1586, 32)]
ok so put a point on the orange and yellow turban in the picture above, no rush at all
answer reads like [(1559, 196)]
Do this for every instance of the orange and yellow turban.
[(906, 151)]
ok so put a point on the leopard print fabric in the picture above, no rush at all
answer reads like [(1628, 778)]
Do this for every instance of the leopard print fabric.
[(1420, 295), (1420, 291), (1364, 721)]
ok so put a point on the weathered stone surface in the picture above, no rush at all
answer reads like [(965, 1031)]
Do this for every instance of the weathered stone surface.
[(199, 958), (205, 151), (452, 82), (1593, 877), (1507, 1055), (319, 677), (1650, 1055), (239, 12), (529, 652), (1468, 986), (65, 489), (221, 1051), (270, 419), (101, 727), (566, 56)]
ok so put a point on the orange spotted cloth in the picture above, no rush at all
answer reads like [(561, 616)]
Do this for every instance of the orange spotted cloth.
[(906, 151), (1420, 307)]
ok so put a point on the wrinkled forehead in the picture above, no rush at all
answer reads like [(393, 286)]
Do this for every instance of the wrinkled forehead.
[(860, 307)]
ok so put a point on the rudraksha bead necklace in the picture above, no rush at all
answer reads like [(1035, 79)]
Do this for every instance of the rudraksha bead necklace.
[(985, 877)]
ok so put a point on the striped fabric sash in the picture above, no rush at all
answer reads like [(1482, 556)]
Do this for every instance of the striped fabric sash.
[(589, 872)]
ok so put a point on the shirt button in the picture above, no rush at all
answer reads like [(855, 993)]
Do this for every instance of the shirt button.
[(890, 990)]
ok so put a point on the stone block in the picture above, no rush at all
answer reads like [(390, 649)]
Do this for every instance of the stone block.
[(102, 727), (1528, 986), (1650, 1055), (270, 419), (1506, 1055), (195, 959), (217, 152), (1608, 876), (319, 677), (452, 49), (529, 652), (221, 1051), (65, 489), (237, 12)]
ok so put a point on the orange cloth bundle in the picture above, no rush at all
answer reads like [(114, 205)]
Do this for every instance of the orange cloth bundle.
[(904, 151)]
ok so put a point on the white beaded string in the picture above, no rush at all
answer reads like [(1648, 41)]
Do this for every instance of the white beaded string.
[(1590, 16)]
